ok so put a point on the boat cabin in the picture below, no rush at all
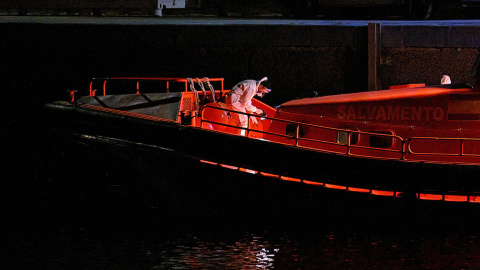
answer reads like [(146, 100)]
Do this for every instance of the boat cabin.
[(410, 122)]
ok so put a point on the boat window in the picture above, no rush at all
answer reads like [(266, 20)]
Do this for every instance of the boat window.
[(291, 130), (342, 137), (381, 141)]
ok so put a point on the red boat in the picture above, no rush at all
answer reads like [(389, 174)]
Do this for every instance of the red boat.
[(410, 141)]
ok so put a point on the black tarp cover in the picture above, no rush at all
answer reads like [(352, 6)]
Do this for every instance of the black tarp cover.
[(164, 105)]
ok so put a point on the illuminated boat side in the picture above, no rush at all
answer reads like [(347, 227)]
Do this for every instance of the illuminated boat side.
[(412, 141)]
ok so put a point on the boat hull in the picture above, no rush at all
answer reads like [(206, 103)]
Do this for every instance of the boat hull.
[(276, 162)]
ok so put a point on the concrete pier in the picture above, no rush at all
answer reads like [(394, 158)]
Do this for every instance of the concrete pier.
[(299, 56)]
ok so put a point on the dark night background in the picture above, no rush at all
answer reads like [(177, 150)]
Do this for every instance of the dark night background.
[(57, 215)]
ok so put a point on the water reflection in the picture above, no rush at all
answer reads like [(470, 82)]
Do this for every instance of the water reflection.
[(286, 250), (249, 252), (134, 240)]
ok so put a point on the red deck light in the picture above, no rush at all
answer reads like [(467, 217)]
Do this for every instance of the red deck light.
[(362, 190), (335, 186), (430, 197), (208, 162), (247, 170), (270, 175), (313, 183), (456, 198), (229, 167), (290, 179), (383, 193), (474, 199)]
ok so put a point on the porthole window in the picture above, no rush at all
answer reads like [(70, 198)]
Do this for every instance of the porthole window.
[(381, 141), (291, 130), (342, 137)]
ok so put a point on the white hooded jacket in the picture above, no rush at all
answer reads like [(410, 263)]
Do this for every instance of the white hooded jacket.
[(244, 92)]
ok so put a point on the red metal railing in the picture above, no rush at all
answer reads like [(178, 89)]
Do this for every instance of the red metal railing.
[(348, 146), (167, 80), (460, 151), (401, 146)]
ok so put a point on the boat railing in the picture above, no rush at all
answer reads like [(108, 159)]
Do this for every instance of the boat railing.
[(349, 145), (298, 138), (138, 80), (400, 146), (460, 151), (394, 138)]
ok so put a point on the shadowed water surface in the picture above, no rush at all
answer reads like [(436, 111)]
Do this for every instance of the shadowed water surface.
[(162, 246)]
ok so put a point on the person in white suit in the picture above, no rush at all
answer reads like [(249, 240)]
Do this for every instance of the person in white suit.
[(240, 99)]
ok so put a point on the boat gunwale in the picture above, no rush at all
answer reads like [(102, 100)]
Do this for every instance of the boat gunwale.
[(347, 153)]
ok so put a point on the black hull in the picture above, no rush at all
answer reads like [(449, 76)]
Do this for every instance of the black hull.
[(194, 144), (103, 180)]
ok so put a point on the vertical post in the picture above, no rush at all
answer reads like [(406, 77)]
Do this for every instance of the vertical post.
[(349, 140), (297, 135), (72, 95), (374, 35), (105, 87), (248, 125), (461, 147), (91, 88)]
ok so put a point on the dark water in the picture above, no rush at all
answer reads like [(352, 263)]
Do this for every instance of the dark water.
[(243, 251), (133, 241), (119, 231)]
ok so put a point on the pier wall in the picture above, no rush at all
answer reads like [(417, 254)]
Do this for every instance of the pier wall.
[(301, 58)]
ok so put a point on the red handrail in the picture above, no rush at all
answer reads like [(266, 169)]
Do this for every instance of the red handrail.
[(460, 152), (138, 79), (298, 138), (406, 144)]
